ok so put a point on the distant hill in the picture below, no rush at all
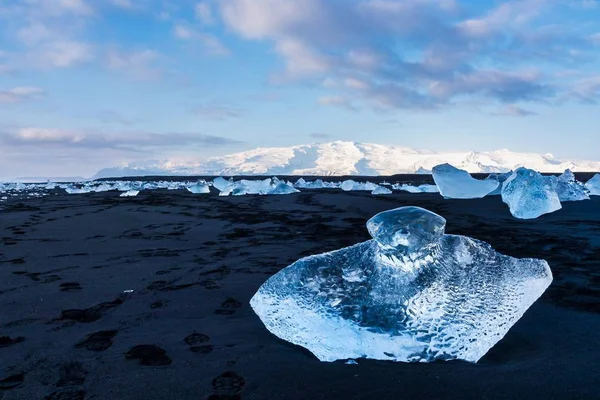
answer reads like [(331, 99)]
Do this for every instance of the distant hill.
[(348, 158)]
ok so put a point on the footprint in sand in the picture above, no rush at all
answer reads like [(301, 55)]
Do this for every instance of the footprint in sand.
[(98, 341), (228, 307), (227, 386), (149, 355), (198, 343)]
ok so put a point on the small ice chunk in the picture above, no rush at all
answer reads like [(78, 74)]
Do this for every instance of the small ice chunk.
[(424, 188), (300, 183), (593, 185), (221, 184), (283, 188), (569, 189), (130, 193), (347, 185), (529, 194), (381, 190), (455, 183), (198, 188)]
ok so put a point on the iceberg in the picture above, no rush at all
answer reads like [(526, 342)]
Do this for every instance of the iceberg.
[(568, 189), (410, 294), (199, 188), (529, 194), (454, 183), (593, 185)]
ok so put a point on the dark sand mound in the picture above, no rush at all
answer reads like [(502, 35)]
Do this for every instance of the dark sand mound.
[(104, 297)]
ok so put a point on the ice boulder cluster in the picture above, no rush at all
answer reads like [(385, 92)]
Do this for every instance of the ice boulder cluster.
[(527, 193), (412, 293)]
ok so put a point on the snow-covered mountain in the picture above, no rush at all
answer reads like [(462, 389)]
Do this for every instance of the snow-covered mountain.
[(348, 158)]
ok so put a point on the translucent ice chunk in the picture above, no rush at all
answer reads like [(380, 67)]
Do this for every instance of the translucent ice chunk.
[(568, 189), (381, 190), (593, 185), (529, 194), (500, 178), (347, 185), (283, 188), (130, 193), (425, 188), (406, 230), (455, 183), (221, 184), (198, 188), (410, 294)]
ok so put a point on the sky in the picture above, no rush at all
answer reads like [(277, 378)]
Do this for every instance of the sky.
[(87, 84)]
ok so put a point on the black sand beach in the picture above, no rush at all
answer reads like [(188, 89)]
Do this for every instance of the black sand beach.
[(70, 328)]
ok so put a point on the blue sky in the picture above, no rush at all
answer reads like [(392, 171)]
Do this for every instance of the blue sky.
[(86, 84)]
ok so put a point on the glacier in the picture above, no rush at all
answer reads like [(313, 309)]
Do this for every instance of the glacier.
[(410, 294), (529, 194), (454, 183)]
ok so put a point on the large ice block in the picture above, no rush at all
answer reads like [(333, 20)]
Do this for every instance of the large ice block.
[(455, 183), (412, 293), (529, 194)]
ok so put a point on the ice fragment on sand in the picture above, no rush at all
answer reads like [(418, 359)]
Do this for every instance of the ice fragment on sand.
[(198, 188), (568, 189), (593, 185), (455, 183), (529, 194), (381, 190), (412, 293)]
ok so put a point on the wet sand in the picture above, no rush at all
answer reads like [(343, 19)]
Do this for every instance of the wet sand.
[(70, 328)]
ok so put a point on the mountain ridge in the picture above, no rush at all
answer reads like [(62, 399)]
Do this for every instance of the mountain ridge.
[(348, 158)]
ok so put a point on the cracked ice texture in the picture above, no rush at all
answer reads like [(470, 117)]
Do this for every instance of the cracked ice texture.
[(455, 183), (411, 294), (530, 195)]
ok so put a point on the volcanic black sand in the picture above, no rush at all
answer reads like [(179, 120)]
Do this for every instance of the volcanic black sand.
[(71, 329)]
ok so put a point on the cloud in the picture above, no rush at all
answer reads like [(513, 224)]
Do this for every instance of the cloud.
[(337, 101), (321, 136), (57, 8), (415, 54), (212, 44), (112, 117), (126, 4), (512, 110), (216, 112), (21, 94), (586, 90), (133, 141), (139, 64), (204, 13), (63, 54)]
